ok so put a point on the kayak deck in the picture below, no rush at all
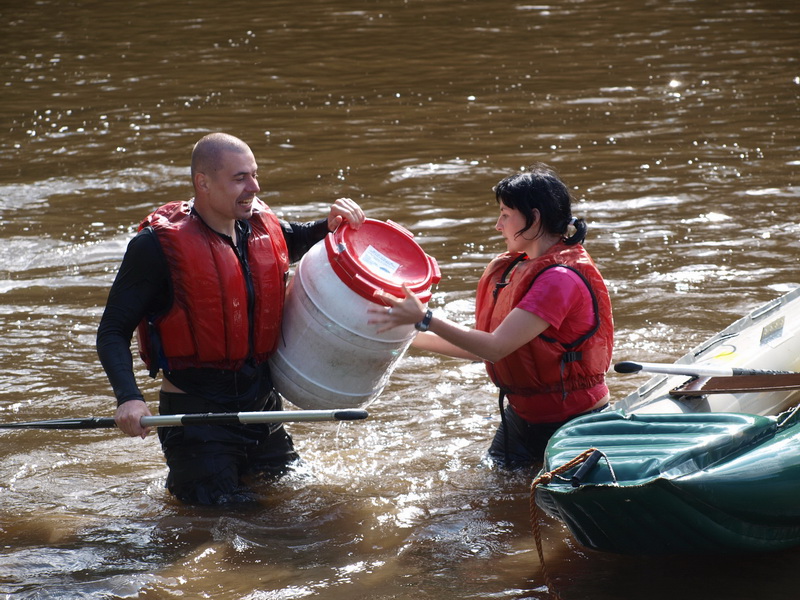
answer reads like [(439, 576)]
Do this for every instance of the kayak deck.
[(642, 447)]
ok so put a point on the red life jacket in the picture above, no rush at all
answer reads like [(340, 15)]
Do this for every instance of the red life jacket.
[(545, 365), (208, 324)]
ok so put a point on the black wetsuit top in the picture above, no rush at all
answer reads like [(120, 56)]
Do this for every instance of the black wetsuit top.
[(143, 288)]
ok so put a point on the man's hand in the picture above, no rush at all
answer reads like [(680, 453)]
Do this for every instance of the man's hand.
[(344, 209), (128, 417)]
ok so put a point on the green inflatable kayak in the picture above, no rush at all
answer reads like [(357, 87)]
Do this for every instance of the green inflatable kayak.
[(704, 458)]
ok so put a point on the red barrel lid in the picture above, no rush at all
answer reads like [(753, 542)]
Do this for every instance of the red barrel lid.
[(381, 256)]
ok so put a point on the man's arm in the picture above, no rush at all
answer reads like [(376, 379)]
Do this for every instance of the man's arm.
[(301, 236), (141, 287)]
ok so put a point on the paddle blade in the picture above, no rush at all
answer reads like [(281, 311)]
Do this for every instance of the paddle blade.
[(739, 384), (90, 423)]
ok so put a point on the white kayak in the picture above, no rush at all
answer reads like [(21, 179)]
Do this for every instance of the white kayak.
[(766, 339)]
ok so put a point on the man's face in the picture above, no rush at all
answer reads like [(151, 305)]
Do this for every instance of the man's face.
[(233, 187)]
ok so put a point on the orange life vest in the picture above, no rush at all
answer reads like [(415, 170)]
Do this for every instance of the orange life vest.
[(209, 323), (545, 365)]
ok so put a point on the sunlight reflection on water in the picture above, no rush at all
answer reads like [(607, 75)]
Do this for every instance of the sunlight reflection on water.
[(674, 123)]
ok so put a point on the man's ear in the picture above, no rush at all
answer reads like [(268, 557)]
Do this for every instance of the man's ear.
[(200, 181)]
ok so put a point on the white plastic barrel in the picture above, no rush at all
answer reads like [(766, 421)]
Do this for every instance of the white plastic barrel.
[(328, 356)]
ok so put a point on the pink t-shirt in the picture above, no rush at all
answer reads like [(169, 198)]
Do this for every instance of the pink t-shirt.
[(560, 297)]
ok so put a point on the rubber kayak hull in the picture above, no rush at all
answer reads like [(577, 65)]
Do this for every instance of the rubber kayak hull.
[(705, 483)]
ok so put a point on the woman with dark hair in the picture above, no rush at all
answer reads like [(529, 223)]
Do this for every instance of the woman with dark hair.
[(544, 326)]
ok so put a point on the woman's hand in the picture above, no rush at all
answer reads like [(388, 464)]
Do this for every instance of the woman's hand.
[(398, 311)]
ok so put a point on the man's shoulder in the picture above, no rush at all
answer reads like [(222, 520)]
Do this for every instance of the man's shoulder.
[(145, 244)]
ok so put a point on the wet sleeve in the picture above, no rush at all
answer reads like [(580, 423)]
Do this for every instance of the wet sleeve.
[(301, 236), (140, 288)]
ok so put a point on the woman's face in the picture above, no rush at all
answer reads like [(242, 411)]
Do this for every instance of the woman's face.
[(509, 223)]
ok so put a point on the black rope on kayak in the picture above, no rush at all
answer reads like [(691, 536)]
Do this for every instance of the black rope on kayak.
[(544, 479)]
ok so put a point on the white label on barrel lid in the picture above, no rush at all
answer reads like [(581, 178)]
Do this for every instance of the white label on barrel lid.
[(377, 262)]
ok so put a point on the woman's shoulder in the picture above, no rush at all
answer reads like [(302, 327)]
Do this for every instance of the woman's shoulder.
[(560, 276)]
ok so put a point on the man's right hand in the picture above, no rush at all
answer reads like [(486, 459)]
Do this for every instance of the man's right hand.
[(128, 417)]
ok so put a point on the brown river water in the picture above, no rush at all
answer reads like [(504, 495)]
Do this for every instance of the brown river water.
[(674, 122)]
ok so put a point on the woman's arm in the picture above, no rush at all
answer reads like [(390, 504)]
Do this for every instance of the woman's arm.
[(426, 340), (517, 329)]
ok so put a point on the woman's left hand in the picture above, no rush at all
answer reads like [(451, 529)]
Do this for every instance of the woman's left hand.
[(398, 311)]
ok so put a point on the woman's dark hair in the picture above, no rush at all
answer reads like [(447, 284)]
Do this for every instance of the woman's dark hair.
[(540, 188)]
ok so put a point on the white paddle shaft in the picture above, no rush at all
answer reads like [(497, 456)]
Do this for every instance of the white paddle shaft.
[(689, 370)]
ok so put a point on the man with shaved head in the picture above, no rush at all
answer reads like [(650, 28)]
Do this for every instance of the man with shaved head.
[(202, 283), (208, 152)]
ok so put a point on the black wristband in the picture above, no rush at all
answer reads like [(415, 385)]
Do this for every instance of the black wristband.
[(425, 323)]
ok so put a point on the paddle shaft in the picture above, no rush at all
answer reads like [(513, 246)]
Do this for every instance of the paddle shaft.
[(276, 416), (690, 370)]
